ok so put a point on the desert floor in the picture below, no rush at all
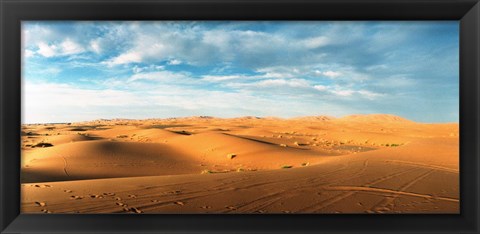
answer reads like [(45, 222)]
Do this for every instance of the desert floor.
[(355, 164)]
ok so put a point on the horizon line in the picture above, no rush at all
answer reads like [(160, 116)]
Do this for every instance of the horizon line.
[(237, 117)]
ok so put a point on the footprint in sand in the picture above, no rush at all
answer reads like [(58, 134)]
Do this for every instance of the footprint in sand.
[(132, 210), (119, 204), (179, 203), (46, 211), (95, 196), (43, 186), (382, 209), (132, 196), (154, 200), (136, 210), (76, 197), (173, 192), (67, 191), (231, 207), (41, 203), (118, 198), (109, 194), (205, 207)]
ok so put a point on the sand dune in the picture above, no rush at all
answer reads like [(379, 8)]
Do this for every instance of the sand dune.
[(376, 118), (355, 164), (105, 159)]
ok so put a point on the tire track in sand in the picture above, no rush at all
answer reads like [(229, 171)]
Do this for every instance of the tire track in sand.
[(325, 203), (387, 204)]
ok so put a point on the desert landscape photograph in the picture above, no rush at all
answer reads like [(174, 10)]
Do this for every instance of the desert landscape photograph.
[(240, 117)]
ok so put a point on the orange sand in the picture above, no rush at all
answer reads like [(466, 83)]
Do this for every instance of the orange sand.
[(355, 164)]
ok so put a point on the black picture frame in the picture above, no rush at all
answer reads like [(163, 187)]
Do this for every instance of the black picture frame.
[(12, 12)]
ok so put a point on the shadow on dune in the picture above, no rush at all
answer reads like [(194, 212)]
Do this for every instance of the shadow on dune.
[(168, 126)]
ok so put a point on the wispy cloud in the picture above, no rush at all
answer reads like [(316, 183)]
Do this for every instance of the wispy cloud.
[(174, 62), (84, 70), (67, 47)]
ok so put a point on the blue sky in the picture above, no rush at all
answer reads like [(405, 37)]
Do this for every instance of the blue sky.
[(76, 71)]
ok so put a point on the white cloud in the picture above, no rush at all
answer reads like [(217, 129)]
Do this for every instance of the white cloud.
[(277, 75), (218, 78), (165, 76), (294, 86), (174, 62), (149, 46), (343, 93), (47, 50), (200, 46), (37, 34), (315, 42), (50, 102), (281, 72), (280, 60), (47, 102), (369, 94), (269, 83), (67, 47), (146, 69), (130, 57), (137, 69), (29, 53), (64, 95), (53, 71), (95, 46), (330, 74), (298, 83), (321, 87), (244, 77), (70, 47)]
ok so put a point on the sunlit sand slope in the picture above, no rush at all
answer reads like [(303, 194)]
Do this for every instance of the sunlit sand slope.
[(355, 164)]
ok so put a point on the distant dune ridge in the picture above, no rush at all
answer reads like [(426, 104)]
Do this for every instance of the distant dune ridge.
[(377, 163), (376, 118)]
